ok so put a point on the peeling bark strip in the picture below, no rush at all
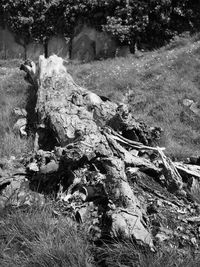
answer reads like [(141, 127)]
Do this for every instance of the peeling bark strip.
[(92, 144)]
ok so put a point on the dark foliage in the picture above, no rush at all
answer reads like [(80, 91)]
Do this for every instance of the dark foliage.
[(151, 23)]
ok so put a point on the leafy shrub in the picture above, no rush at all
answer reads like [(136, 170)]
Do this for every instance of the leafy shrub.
[(179, 41)]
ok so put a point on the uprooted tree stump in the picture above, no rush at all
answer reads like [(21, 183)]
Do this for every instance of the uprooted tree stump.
[(85, 148), (78, 125)]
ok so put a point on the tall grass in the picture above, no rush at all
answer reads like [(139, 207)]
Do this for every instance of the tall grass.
[(126, 253), (14, 92), (34, 237)]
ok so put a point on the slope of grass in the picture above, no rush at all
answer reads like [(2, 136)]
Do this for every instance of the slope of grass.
[(13, 93), (157, 82)]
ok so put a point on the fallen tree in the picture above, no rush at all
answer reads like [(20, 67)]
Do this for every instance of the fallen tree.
[(90, 152)]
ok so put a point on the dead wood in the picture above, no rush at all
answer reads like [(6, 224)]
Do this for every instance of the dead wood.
[(83, 149), (188, 170), (173, 177)]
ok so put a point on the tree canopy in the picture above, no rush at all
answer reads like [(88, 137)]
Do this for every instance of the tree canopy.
[(151, 21)]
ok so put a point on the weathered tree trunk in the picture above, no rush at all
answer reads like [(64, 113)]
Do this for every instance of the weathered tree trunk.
[(78, 121), (92, 143)]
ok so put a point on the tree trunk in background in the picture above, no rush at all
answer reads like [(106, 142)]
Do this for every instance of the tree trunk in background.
[(25, 51), (46, 48)]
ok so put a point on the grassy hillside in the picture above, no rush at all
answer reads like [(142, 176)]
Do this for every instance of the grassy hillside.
[(14, 92), (157, 83)]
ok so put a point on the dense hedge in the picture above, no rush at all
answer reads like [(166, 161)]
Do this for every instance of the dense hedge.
[(152, 22)]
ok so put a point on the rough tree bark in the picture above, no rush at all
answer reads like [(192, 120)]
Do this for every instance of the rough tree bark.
[(92, 143)]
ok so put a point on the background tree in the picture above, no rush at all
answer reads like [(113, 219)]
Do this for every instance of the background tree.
[(158, 30), (19, 18), (47, 20), (33, 20), (130, 22)]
